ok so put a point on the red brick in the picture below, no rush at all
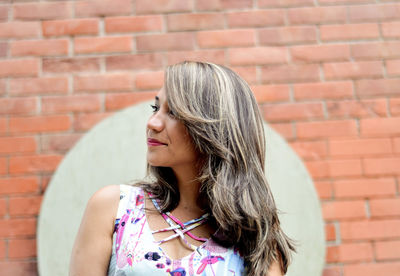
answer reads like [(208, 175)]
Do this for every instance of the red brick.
[(396, 145), (374, 12), (393, 67), (34, 163), (39, 86), (194, 22), (86, 45), (340, 128), (17, 144), (70, 65), (372, 269), (87, 26), (17, 227), (42, 10), (387, 250), (341, 168), (292, 111), (342, 210), (19, 268), (353, 70), (4, 13), (215, 56), (317, 169), (364, 188), (370, 229), (349, 32), (257, 55), (323, 90), (223, 4), (248, 73), (336, 2), (390, 29), (360, 147), (21, 248), (19, 185), (395, 106), (102, 8), (324, 189), (149, 80), (380, 126), (284, 3), (311, 150), (330, 232), (19, 68), (350, 252), (51, 47), (257, 18), (3, 166), (106, 82), (271, 93), (376, 50), (170, 41), (39, 124), (284, 129), (122, 100), (226, 38), (16, 29), (3, 125), (85, 121), (377, 87), (3, 249), (27, 205), (3, 212), (288, 35), (17, 106), (134, 62), (290, 73), (385, 207), (59, 143), (317, 15), (382, 166), (3, 87), (3, 49), (317, 53), (162, 6), (332, 271), (127, 24), (75, 103)]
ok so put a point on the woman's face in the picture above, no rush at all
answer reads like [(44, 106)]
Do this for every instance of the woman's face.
[(168, 142)]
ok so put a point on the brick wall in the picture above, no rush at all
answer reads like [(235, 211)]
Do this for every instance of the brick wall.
[(325, 72)]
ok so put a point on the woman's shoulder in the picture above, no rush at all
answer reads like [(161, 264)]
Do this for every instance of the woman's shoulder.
[(112, 194)]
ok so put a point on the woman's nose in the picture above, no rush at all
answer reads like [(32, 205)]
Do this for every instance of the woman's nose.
[(155, 122)]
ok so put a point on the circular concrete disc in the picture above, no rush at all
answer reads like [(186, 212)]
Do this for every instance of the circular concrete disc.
[(114, 152)]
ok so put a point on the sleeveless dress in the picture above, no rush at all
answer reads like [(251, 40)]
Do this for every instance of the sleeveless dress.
[(135, 251)]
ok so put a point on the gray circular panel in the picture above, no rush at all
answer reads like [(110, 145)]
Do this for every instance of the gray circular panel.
[(114, 151)]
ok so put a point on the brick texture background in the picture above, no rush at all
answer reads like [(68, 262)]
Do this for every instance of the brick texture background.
[(326, 74)]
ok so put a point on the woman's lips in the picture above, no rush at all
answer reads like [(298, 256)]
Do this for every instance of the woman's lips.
[(154, 142)]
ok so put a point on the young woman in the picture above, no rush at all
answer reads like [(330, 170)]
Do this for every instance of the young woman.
[(207, 208)]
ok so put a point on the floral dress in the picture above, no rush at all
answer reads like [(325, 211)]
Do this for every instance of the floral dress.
[(135, 251)]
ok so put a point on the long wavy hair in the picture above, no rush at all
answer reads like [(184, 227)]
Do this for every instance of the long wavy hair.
[(222, 118)]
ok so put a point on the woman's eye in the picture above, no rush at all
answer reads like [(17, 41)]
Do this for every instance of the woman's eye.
[(154, 107)]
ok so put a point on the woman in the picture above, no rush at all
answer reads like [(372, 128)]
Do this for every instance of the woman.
[(207, 208)]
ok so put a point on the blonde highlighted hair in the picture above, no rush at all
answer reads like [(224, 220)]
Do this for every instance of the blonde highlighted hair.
[(223, 119)]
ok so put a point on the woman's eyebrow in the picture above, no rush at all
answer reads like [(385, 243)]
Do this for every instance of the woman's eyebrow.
[(156, 98)]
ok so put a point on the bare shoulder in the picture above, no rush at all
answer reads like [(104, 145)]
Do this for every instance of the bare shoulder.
[(104, 203), (93, 243), (106, 195)]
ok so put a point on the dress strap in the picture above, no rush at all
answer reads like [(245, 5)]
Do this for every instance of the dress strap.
[(180, 228)]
